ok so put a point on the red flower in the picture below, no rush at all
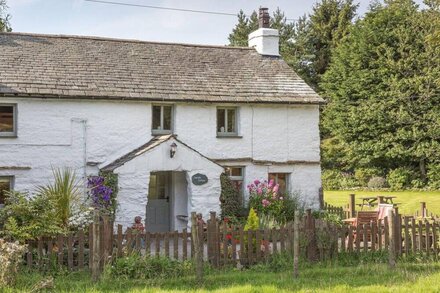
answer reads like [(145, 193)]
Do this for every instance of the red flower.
[(229, 236)]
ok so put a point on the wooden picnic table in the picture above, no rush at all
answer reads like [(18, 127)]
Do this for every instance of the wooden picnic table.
[(372, 201)]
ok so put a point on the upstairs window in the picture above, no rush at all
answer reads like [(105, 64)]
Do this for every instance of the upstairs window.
[(282, 179), (5, 187), (227, 121), (162, 119), (236, 175), (8, 120)]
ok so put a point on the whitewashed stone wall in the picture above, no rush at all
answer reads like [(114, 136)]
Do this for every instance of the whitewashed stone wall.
[(85, 134)]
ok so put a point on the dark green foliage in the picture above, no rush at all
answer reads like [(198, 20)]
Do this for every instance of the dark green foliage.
[(400, 178), (4, 17), (245, 25), (377, 183), (138, 267), (383, 92), (230, 201)]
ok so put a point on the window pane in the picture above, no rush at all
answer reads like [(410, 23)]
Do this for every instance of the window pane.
[(152, 190), (5, 186), (156, 117), (236, 171), (231, 120), (6, 118), (281, 180), (167, 114), (221, 120)]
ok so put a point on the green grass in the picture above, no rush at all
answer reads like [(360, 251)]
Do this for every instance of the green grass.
[(409, 200), (406, 277)]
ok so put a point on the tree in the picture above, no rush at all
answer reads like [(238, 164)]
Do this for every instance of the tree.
[(383, 89), (4, 18), (245, 25)]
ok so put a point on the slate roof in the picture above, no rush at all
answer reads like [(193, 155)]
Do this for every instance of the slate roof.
[(154, 142), (57, 66)]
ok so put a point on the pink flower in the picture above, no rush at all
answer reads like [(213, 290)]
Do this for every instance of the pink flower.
[(259, 190), (265, 202), (275, 189), (257, 181), (271, 183)]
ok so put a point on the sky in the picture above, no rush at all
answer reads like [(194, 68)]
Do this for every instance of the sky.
[(79, 17)]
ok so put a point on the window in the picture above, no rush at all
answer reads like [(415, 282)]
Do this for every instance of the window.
[(158, 186), (236, 175), (5, 186), (282, 179), (8, 120), (227, 122), (162, 119)]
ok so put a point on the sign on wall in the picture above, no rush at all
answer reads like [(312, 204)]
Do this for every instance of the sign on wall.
[(199, 179)]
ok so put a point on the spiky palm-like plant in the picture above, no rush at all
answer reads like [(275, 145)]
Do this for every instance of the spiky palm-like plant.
[(65, 192)]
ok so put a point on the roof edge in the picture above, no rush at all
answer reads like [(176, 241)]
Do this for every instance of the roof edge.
[(98, 38)]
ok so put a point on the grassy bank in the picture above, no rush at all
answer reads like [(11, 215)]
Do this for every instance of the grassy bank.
[(327, 278), (409, 200)]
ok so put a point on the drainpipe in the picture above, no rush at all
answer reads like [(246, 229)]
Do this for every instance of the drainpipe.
[(84, 134)]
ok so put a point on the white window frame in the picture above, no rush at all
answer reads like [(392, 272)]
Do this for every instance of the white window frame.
[(162, 131), (227, 133), (11, 184), (13, 133)]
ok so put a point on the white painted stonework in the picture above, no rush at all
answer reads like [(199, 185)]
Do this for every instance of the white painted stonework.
[(265, 41), (88, 134)]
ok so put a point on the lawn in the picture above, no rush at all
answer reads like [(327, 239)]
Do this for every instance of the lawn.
[(409, 200), (318, 278)]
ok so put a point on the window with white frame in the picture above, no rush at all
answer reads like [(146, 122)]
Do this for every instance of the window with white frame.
[(282, 179), (8, 120), (6, 185), (236, 175), (162, 119), (227, 118)]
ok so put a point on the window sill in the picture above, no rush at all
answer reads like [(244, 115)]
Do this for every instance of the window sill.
[(229, 136), (12, 135), (158, 133)]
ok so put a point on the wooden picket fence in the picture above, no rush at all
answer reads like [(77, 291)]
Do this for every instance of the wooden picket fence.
[(222, 244)]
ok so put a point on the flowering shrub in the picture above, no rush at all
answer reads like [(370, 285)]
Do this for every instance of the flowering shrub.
[(11, 254), (81, 216), (100, 194), (273, 208)]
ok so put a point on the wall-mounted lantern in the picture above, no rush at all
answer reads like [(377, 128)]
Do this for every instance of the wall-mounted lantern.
[(173, 149)]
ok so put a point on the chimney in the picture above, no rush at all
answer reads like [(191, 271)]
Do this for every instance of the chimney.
[(265, 40)]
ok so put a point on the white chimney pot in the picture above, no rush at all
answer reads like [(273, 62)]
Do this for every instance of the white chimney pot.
[(265, 41)]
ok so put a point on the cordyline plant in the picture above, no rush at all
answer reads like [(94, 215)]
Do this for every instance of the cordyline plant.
[(100, 194)]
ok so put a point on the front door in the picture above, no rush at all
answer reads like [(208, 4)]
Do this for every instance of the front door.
[(158, 206)]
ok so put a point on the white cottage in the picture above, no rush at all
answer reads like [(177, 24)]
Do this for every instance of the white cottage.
[(168, 119)]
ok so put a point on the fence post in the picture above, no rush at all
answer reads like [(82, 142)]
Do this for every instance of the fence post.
[(380, 199), (310, 232), (352, 205), (296, 245), (197, 253), (392, 239), (96, 272), (423, 209)]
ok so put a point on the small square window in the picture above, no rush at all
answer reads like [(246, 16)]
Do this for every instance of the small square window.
[(162, 119), (6, 183), (282, 179), (227, 121), (8, 120), (236, 175)]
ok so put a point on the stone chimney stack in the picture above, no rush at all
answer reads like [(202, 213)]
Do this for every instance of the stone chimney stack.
[(265, 40)]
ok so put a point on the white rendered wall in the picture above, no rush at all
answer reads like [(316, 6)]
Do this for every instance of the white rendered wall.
[(60, 133)]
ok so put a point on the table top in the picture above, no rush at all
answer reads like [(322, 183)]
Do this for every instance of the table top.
[(375, 197)]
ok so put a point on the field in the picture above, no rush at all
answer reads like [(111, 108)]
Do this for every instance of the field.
[(318, 278), (409, 200)]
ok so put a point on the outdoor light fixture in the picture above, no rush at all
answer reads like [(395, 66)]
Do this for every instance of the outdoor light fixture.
[(173, 149)]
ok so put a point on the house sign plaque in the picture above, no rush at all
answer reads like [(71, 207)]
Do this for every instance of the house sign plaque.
[(199, 179)]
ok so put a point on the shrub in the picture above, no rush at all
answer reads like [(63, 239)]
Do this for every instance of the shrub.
[(331, 179), (433, 175), (230, 201), (136, 266), (252, 222), (377, 183), (399, 178), (348, 181), (25, 217), (11, 256), (363, 175)]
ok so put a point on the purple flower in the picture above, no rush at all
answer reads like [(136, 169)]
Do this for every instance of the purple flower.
[(271, 182), (259, 191), (257, 181)]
